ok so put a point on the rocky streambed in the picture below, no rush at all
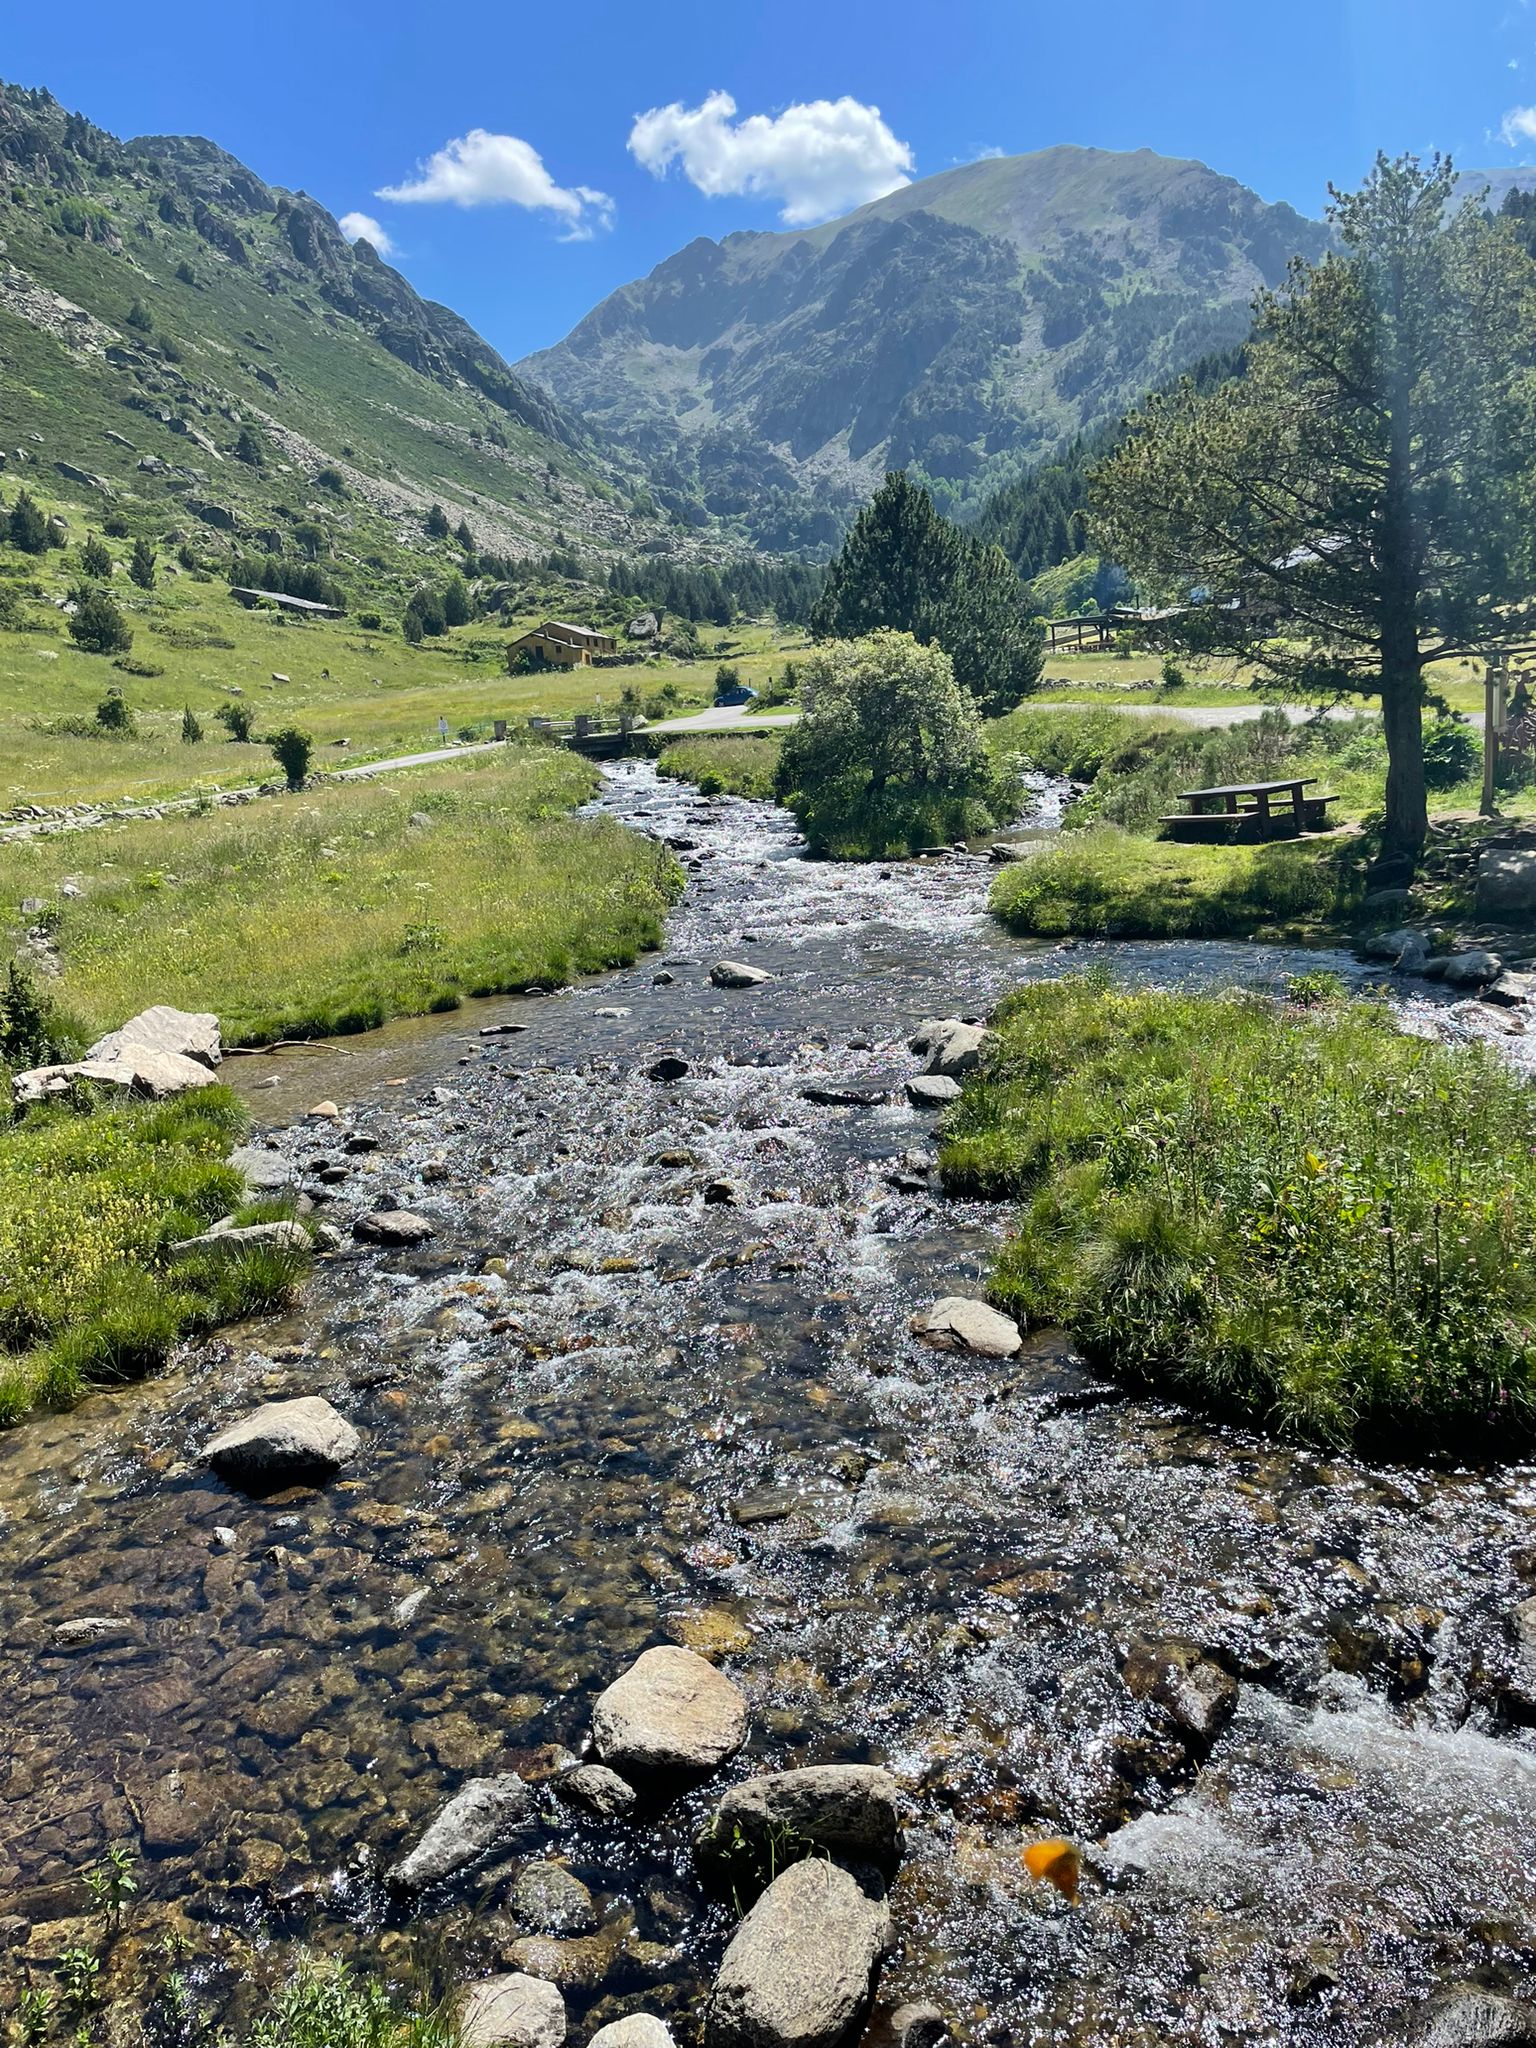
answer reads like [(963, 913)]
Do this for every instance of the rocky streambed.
[(652, 1381)]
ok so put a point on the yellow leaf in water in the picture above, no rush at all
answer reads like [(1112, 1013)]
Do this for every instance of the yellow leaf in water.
[(1055, 1861)]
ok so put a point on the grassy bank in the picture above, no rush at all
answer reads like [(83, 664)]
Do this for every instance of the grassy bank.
[(89, 1201), (733, 765), (319, 913), (1304, 1219), (1112, 884)]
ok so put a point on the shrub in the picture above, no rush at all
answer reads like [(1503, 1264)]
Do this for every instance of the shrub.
[(332, 480), (248, 448), (116, 524), (1173, 676), (237, 719), (727, 680), (139, 317), (10, 608), (1452, 754), (98, 626), (95, 557), (191, 727), (369, 621), (293, 747), (888, 753), (436, 523), (115, 715), (1304, 1218), (141, 565)]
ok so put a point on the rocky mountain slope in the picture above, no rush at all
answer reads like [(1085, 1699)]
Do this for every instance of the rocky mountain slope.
[(963, 325), (157, 297)]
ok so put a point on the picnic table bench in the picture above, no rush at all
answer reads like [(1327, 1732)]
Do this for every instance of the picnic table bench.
[(1256, 810)]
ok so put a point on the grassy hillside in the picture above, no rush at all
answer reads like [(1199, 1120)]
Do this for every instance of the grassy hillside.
[(157, 299)]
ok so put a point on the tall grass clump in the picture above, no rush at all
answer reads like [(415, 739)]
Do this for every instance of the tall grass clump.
[(92, 1195), (1294, 1215), (325, 2004), (311, 915), (733, 766)]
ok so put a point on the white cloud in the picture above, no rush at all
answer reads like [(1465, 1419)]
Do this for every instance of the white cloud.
[(481, 169), (1518, 125), (362, 227), (819, 157)]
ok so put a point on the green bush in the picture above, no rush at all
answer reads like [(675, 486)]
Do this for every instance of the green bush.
[(238, 720), (1300, 1217), (327, 2005), (191, 727), (292, 746), (1452, 754), (114, 715), (98, 626), (733, 765)]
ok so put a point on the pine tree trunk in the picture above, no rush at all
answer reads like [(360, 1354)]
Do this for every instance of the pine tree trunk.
[(1402, 691)]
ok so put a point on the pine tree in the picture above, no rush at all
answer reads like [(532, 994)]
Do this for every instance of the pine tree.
[(141, 567), (191, 727), (437, 524), (139, 316), (248, 447), (95, 557), (27, 526), (465, 537), (456, 606), (98, 626)]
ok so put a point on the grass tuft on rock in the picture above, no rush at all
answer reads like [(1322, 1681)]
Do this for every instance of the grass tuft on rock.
[(91, 1196), (1299, 1217)]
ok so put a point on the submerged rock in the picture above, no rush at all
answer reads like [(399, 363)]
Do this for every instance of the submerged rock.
[(958, 1323), (514, 2011), (671, 1711), (1469, 2017), (283, 1441), (849, 1810), (549, 1899), (485, 1815), (1187, 1683), (801, 1967)]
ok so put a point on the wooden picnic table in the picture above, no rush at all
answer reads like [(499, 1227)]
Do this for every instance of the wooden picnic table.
[(1260, 804)]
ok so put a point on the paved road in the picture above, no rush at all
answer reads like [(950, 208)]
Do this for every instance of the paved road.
[(724, 718), (416, 760)]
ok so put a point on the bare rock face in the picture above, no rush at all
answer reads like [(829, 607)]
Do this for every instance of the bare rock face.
[(957, 1323), (284, 1441), (801, 1967), (485, 1815), (669, 1712), (512, 2012), (848, 1810), (186, 1034)]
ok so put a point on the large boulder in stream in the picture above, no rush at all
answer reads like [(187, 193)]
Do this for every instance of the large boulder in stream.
[(670, 1713), (846, 1810), (514, 2011), (801, 1968), (957, 1323), (639, 2030), (737, 974), (283, 1442), (487, 1814)]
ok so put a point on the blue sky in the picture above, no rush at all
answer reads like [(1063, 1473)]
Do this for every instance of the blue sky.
[(541, 156)]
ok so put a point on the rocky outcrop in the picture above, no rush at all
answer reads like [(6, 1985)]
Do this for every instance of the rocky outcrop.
[(671, 1712), (801, 1967), (486, 1814), (845, 1810), (284, 1441), (515, 2011), (957, 1323), (160, 1052)]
